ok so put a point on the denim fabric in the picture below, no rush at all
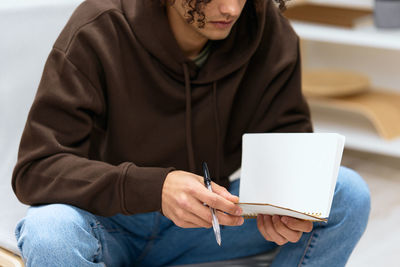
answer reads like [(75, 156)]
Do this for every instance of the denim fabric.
[(63, 235)]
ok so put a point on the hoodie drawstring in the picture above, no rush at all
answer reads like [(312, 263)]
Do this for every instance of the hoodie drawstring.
[(188, 119), (217, 129), (188, 122)]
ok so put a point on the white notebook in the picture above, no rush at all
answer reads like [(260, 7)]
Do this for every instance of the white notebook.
[(292, 174)]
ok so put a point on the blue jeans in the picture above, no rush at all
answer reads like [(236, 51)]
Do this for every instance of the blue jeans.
[(63, 235)]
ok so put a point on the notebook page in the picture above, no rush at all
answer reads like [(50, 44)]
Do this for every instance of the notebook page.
[(295, 171)]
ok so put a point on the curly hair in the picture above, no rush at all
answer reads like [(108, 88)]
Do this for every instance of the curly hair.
[(195, 7)]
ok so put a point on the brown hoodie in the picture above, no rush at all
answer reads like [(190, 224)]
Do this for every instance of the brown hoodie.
[(119, 106)]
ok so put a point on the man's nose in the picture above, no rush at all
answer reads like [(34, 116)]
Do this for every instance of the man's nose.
[(231, 8)]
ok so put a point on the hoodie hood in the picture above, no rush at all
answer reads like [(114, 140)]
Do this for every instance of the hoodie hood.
[(226, 56)]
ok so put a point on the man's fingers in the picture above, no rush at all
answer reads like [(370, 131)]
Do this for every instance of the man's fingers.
[(261, 227), (203, 218), (270, 229), (196, 212), (183, 198), (229, 220), (185, 224), (192, 214), (186, 219), (191, 220), (297, 224), (284, 231), (204, 212), (222, 191), (200, 212), (217, 202)]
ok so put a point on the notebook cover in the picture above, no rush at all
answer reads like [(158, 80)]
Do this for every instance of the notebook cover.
[(295, 171)]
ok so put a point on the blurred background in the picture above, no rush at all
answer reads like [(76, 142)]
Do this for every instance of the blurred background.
[(351, 79)]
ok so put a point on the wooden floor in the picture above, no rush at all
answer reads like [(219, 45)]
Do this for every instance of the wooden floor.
[(380, 245)]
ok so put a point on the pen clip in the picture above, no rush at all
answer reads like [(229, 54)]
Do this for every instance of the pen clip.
[(207, 179)]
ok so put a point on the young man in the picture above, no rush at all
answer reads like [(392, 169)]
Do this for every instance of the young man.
[(134, 96)]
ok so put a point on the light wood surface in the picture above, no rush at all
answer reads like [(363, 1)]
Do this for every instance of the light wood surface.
[(348, 17), (334, 83), (381, 108), (8, 259)]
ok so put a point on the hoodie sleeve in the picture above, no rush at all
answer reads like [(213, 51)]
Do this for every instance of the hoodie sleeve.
[(54, 164)]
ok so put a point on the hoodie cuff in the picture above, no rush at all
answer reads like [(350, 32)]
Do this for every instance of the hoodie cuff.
[(142, 189)]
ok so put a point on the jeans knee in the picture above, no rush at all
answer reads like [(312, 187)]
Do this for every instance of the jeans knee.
[(51, 228), (355, 196)]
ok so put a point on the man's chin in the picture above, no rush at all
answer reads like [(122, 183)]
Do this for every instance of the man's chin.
[(215, 36)]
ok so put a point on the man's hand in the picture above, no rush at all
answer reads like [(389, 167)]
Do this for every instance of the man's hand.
[(183, 198), (282, 229)]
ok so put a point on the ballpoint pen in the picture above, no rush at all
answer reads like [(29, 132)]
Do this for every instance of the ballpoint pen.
[(215, 223)]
